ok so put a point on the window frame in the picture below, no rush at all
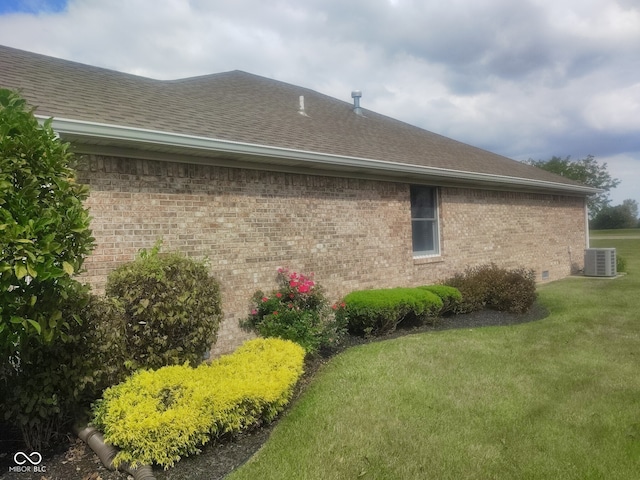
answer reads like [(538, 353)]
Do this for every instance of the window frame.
[(434, 220)]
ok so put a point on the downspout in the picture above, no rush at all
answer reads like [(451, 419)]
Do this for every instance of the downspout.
[(586, 223), (106, 453)]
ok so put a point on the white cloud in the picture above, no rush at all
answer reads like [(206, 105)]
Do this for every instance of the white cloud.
[(527, 79), (617, 110), (624, 167)]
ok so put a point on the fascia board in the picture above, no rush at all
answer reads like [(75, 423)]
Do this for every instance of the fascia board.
[(141, 137)]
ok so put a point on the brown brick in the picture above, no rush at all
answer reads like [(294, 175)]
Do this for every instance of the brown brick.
[(352, 233)]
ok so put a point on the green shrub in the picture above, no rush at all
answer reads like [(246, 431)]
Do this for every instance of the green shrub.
[(50, 386), (297, 311), (304, 327), (376, 312), (160, 416), (489, 286), (450, 296), (172, 308), (44, 238), (44, 225), (621, 264), (47, 384), (107, 356)]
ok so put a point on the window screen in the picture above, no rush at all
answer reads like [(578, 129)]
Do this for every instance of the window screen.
[(424, 220)]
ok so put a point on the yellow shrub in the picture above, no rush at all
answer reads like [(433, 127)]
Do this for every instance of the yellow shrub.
[(160, 416)]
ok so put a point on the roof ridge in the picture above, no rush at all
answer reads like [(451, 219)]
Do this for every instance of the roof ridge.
[(63, 62), (180, 80), (238, 106), (206, 76)]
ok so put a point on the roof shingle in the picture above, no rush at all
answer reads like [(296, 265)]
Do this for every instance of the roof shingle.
[(241, 107)]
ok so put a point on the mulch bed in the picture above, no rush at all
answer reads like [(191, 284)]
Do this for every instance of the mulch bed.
[(74, 460)]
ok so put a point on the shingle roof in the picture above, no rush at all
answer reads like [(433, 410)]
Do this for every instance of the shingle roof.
[(240, 107)]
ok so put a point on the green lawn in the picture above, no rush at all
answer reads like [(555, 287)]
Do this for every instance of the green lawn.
[(631, 232), (553, 399)]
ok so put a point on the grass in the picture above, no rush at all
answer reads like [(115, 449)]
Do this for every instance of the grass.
[(633, 232), (558, 398)]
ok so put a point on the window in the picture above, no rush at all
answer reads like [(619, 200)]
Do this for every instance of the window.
[(424, 221)]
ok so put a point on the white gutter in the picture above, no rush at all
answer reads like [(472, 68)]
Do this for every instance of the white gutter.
[(142, 136)]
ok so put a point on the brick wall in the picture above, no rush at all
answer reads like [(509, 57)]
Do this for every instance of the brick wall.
[(352, 233)]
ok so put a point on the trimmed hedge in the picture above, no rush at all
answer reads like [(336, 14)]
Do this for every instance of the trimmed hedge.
[(450, 296), (376, 312), (160, 416)]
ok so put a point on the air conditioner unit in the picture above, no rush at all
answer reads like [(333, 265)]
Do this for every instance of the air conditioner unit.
[(600, 262)]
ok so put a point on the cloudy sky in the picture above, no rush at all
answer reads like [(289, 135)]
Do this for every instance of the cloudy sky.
[(523, 78)]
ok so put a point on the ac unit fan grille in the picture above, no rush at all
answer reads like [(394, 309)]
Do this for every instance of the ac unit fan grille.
[(600, 262)]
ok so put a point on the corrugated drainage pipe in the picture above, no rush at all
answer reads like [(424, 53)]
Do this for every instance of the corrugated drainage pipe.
[(106, 453)]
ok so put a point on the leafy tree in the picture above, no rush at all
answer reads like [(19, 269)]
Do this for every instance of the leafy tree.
[(44, 228), (44, 236), (619, 216), (632, 206), (587, 171)]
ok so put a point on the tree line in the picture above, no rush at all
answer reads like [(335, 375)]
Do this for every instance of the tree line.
[(588, 171)]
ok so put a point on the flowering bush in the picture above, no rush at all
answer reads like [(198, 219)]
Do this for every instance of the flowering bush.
[(297, 310)]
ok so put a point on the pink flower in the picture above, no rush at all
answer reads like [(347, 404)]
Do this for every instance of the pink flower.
[(334, 306), (279, 295), (291, 296), (265, 299), (254, 312), (293, 284), (275, 312), (343, 304), (303, 288)]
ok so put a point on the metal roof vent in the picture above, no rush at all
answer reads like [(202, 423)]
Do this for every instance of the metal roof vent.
[(356, 94), (301, 110)]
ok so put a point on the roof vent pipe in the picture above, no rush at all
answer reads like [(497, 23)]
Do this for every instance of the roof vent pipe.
[(356, 94), (301, 110)]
